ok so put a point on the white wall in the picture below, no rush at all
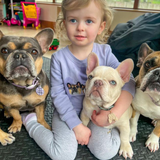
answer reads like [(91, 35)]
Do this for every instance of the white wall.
[(48, 12)]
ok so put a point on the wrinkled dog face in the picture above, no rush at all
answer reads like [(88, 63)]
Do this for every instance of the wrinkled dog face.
[(21, 57), (103, 86), (149, 77)]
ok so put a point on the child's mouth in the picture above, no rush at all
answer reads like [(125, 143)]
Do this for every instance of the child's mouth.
[(80, 37)]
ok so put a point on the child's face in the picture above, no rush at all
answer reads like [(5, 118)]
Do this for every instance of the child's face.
[(84, 24)]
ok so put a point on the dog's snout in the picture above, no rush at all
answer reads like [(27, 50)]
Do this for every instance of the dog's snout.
[(98, 83), (19, 56), (157, 73)]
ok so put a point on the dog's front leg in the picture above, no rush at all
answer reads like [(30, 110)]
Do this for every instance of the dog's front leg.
[(133, 125), (17, 122), (40, 111), (85, 119), (125, 148), (153, 140)]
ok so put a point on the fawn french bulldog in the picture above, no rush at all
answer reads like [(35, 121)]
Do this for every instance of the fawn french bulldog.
[(147, 97)]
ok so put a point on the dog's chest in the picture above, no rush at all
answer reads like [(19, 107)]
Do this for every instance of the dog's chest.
[(19, 101), (143, 104)]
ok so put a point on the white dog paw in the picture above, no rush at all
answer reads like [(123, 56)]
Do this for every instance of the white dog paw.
[(154, 122), (153, 142), (126, 150), (132, 136)]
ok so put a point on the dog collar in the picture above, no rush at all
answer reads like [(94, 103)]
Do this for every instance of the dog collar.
[(106, 109), (39, 89), (34, 83), (153, 101)]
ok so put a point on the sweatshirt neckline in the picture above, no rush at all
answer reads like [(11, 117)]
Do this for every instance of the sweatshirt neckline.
[(75, 60)]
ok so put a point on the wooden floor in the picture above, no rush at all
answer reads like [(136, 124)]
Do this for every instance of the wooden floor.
[(19, 31)]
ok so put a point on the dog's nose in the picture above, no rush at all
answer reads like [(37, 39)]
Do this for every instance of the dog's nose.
[(98, 83), (20, 56)]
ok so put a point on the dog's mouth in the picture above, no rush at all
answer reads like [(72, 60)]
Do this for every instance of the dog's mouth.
[(96, 94), (151, 86), (19, 72)]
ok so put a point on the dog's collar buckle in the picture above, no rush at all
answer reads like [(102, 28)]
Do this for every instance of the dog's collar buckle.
[(106, 109)]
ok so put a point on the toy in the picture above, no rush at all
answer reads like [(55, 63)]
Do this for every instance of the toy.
[(13, 18), (6, 20), (54, 44), (31, 14)]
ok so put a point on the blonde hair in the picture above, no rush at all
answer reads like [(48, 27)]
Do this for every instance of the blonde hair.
[(68, 5)]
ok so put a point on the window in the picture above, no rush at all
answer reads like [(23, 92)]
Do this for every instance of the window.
[(136, 4), (121, 3), (44, 1), (149, 4), (51, 1)]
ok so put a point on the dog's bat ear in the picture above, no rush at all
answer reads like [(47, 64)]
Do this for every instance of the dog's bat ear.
[(45, 38), (1, 34), (92, 62), (143, 52), (125, 69)]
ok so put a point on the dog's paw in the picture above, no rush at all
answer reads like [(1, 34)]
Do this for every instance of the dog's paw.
[(153, 142), (126, 150), (15, 126), (154, 122), (132, 136), (6, 114), (6, 138)]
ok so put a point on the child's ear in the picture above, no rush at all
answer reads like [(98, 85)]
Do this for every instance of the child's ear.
[(102, 27), (64, 22)]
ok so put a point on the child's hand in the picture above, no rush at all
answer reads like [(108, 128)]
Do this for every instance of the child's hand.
[(101, 118), (82, 134)]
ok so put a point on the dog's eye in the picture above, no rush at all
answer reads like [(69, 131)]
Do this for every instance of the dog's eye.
[(112, 82), (147, 65), (34, 52), (4, 50), (90, 77)]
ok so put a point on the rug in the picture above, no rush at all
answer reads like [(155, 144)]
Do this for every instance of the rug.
[(24, 148)]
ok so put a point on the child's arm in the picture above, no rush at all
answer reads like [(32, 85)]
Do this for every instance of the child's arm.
[(122, 104), (82, 134)]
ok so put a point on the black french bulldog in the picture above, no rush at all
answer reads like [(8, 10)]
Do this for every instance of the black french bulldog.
[(24, 86)]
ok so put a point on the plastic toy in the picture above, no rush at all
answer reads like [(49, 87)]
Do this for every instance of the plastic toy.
[(31, 14), (13, 19), (6, 20), (54, 45)]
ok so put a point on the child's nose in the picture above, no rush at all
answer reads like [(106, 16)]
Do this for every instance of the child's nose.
[(80, 26)]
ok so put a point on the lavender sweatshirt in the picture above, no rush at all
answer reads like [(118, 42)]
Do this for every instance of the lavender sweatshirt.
[(68, 78)]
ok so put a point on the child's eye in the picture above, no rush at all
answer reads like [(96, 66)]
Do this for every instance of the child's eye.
[(73, 20), (89, 21)]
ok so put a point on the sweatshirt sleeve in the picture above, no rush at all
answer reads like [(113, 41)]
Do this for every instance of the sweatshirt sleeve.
[(59, 97), (113, 62)]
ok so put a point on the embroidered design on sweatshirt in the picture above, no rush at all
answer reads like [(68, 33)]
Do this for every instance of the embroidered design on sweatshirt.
[(77, 88)]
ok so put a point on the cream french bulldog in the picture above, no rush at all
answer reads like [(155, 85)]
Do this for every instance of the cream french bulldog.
[(103, 88), (147, 97)]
